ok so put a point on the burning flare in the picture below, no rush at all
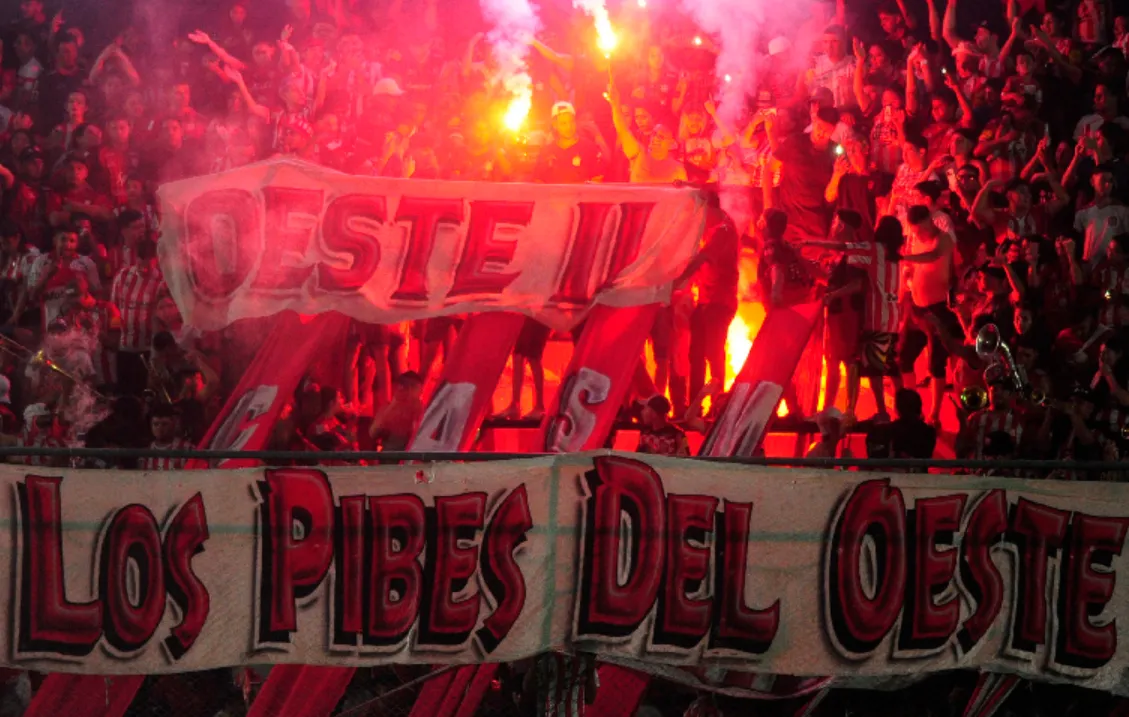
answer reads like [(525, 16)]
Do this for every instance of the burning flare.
[(606, 38), (514, 23), (738, 343), (519, 106)]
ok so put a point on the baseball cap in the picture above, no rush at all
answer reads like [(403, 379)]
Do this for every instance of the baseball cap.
[(387, 86), (823, 95), (659, 404), (967, 48), (778, 46), (563, 107), (34, 411)]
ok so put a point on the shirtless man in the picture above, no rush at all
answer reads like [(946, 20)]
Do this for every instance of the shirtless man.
[(929, 275)]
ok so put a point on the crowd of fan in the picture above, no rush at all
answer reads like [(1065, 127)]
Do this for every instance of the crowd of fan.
[(927, 171)]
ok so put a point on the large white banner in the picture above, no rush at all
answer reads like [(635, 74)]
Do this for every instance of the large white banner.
[(286, 234), (655, 562)]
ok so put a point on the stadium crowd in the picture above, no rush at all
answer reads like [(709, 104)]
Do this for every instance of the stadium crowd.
[(926, 170)]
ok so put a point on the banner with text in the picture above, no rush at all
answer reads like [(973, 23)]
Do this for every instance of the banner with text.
[(286, 234), (659, 562)]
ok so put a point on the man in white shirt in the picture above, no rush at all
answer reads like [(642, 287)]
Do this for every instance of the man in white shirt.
[(834, 69), (1105, 110), (1104, 219)]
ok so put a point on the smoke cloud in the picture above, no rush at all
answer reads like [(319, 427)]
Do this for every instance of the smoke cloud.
[(514, 23), (742, 27)]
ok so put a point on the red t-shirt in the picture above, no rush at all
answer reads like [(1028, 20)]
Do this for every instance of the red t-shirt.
[(716, 279)]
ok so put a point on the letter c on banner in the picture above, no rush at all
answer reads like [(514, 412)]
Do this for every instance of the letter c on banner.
[(245, 419), (570, 429)]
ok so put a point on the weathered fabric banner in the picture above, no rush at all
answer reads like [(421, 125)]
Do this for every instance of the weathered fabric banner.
[(657, 562), (289, 235)]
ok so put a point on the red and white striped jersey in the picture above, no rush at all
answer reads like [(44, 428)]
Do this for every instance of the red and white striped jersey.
[(34, 437), (984, 423), (1111, 281), (166, 464), (136, 291), (882, 288), (119, 257), (561, 682)]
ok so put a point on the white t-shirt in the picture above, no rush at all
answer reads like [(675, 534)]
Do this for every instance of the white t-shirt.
[(27, 77), (1100, 224), (839, 77), (1095, 122)]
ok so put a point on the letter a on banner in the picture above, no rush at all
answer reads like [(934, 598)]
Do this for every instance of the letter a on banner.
[(589, 398), (470, 374)]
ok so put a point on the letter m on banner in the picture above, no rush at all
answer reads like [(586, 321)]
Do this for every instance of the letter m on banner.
[(756, 393)]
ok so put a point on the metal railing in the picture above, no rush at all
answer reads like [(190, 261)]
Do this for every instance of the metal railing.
[(390, 457)]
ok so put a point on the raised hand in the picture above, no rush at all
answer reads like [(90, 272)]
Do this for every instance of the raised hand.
[(200, 37)]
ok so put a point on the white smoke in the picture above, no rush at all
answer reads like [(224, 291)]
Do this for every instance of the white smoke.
[(514, 23), (74, 351), (742, 28)]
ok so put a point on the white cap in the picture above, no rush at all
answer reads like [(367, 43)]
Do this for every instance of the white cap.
[(34, 411), (563, 107), (5, 389), (387, 86), (779, 45)]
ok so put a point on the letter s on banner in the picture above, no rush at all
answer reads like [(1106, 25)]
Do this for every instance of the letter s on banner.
[(570, 431), (445, 421)]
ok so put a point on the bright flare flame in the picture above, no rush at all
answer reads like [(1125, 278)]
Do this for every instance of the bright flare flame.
[(698, 41), (606, 38), (738, 343), (643, 3), (517, 111)]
